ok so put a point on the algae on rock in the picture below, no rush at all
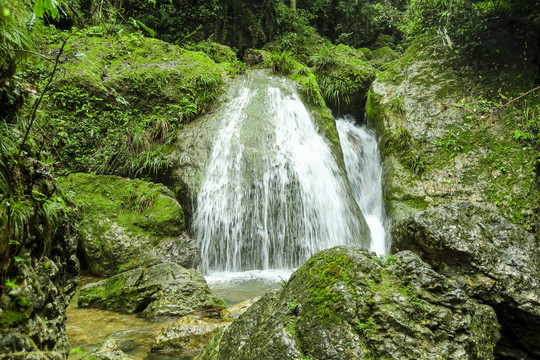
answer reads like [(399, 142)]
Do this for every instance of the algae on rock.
[(125, 224)]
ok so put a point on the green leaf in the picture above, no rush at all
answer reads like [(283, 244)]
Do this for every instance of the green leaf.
[(139, 24), (49, 7), (18, 259)]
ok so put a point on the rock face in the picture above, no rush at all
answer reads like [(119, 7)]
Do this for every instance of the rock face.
[(160, 290), (126, 224), (440, 139), (33, 309), (345, 303), (492, 260)]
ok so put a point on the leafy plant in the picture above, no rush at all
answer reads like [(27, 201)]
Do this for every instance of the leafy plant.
[(282, 63)]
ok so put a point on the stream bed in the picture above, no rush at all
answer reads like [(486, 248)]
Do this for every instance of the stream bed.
[(88, 328)]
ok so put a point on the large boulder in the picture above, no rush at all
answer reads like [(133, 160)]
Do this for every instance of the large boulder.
[(126, 224), (160, 290), (346, 303), (491, 259)]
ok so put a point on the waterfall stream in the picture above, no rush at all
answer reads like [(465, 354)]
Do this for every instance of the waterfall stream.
[(273, 194), (362, 160)]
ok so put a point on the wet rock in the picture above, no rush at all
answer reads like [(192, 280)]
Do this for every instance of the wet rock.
[(491, 259), (188, 332), (33, 307), (160, 290), (232, 313), (126, 224), (345, 303), (109, 351)]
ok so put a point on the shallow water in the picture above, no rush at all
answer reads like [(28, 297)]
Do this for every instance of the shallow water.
[(87, 328), (235, 287)]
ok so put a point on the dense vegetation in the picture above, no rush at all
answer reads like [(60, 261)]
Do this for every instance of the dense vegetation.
[(310, 39)]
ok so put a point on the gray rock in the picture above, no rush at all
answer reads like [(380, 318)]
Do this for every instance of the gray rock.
[(345, 303), (160, 290), (109, 350), (187, 333), (233, 312), (436, 146), (491, 259)]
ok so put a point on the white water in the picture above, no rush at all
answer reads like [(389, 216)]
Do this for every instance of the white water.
[(362, 160), (272, 194)]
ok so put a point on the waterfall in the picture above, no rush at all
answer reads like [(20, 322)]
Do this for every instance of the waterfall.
[(273, 194), (362, 160)]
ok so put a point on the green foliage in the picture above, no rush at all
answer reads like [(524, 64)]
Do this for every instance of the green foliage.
[(352, 22), (29, 203), (292, 305), (292, 327), (463, 24), (324, 59), (528, 124), (282, 63), (386, 260)]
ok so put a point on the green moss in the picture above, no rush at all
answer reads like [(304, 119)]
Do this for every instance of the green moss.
[(12, 318), (23, 302), (122, 98), (139, 206), (335, 268)]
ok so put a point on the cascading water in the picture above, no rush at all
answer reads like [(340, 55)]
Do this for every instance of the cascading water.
[(272, 194), (362, 160)]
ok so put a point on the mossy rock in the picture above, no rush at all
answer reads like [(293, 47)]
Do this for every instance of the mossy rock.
[(160, 290), (346, 303), (383, 55), (124, 222), (120, 99), (384, 40), (442, 140)]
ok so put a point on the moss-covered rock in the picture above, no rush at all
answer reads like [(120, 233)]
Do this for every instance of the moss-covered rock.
[(125, 224), (491, 259), (346, 303), (444, 141), (120, 98), (382, 56), (160, 290)]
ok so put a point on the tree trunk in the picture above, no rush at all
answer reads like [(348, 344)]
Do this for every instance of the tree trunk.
[(293, 4)]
